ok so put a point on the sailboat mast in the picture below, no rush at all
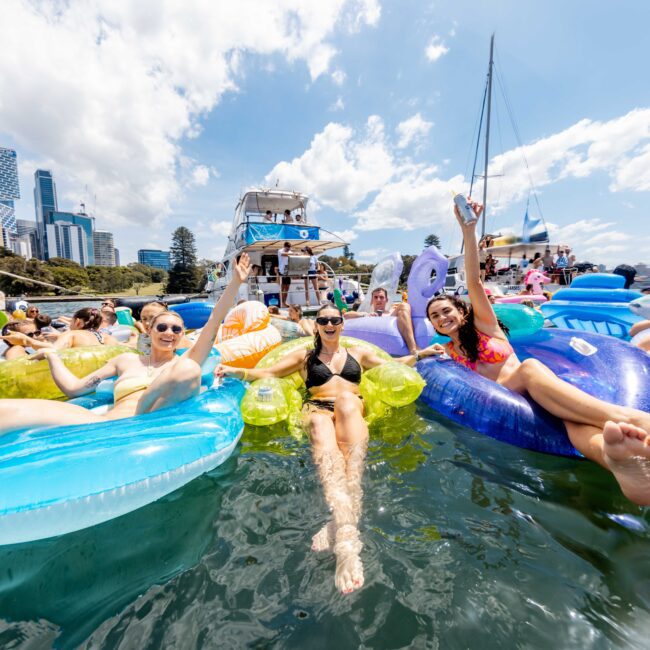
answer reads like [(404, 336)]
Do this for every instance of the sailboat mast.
[(487, 133)]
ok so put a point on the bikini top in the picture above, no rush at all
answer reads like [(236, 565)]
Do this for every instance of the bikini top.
[(98, 335), (490, 350), (318, 373), (129, 385)]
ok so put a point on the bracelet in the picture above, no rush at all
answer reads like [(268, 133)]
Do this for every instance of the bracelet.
[(245, 376), (417, 356)]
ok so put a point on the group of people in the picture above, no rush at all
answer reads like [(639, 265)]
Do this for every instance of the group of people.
[(615, 437), (287, 217), (316, 277)]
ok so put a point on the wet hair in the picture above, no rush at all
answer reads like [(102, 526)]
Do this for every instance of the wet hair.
[(297, 309), (377, 290), (274, 309), (91, 317), (528, 303), (41, 321), (318, 344), (467, 332)]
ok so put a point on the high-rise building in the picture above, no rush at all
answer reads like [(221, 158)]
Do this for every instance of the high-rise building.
[(156, 258), (9, 192), (104, 248), (116, 253), (44, 204), (78, 219), (66, 240)]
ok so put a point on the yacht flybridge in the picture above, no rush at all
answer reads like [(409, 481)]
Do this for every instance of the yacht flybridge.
[(264, 220)]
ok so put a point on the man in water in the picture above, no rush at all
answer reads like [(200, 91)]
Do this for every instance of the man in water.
[(401, 311)]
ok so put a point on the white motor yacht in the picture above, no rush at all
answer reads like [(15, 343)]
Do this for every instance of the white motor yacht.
[(264, 220)]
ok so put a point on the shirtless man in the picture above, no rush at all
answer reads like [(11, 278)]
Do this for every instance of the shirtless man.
[(401, 311)]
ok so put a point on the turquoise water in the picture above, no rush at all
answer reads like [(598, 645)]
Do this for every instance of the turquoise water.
[(468, 543)]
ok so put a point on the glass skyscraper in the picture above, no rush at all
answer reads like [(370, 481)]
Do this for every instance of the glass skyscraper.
[(44, 204), (9, 192), (156, 258), (104, 248), (86, 222)]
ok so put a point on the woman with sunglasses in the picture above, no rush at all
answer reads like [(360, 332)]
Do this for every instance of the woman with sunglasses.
[(144, 383), (339, 434), (615, 437)]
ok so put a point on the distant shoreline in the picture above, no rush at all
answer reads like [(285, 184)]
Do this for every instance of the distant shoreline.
[(31, 299)]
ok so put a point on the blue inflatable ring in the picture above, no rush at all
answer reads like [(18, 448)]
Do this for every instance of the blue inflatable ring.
[(606, 368), (58, 480)]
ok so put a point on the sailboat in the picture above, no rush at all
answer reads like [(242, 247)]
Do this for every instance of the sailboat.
[(534, 237)]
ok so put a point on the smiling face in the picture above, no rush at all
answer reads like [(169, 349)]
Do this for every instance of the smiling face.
[(445, 317), (329, 331), (379, 300), (166, 331)]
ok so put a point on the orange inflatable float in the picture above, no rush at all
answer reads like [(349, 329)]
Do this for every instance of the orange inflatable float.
[(246, 335)]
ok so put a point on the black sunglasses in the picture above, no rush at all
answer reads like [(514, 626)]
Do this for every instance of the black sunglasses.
[(163, 327), (334, 320)]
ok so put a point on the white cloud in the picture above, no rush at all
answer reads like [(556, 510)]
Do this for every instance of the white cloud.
[(338, 105), (221, 228), (120, 84), (370, 255), (435, 49), (411, 130), (619, 148), (200, 175), (346, 235), (339, 170), (338, 76)]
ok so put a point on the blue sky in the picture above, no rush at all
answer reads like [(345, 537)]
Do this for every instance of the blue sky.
[(159, 114)]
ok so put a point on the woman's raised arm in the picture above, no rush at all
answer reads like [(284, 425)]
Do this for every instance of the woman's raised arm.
[(201, 349), (484, 316)]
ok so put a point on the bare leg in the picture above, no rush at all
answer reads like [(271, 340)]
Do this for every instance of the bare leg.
[(568, 402), (622, 448), (405, 325), (314, 284), (26, 413), (177, 382), (306, 291)]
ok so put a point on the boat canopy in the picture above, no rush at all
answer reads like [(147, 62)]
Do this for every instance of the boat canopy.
[(253, 205)]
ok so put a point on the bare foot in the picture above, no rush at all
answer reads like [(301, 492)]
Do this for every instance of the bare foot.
[(627, 453), (323, 540), (349, 569)]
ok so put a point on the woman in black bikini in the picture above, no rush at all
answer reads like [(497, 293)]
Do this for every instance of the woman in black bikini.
[(338, 432)]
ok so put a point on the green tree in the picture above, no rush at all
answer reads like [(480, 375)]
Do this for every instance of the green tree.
[(432, 240), (26, 268), (183, 275), (347, 252), (408, 263)]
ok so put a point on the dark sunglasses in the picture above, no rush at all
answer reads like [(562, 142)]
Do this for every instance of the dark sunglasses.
[(163, 327), (334, 320)]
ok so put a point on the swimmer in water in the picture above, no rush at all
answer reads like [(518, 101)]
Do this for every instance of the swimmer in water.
[(145, 383), (339, 434), (615, 437)]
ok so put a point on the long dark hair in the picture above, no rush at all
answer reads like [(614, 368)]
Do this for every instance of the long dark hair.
[(318, 344), (467, 332), (90, 316)]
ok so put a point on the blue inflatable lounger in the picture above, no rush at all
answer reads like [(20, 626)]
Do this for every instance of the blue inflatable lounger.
[(602, 366), (60, 479)]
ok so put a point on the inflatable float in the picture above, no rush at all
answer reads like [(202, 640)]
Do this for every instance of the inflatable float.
[(246, 335), (595, 302), (25, 378), (58, 480), (288, 329), (271, 400), (602, 366), (194, 314)]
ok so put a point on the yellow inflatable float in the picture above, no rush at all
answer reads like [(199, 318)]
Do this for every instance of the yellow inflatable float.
[(246, 335), (26, 378), (270, 400)]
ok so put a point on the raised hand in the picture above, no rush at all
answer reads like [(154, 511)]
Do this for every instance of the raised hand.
[(477, 209), (243, 268)]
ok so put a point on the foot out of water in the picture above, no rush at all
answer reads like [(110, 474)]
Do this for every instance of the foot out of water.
[(467, 542)]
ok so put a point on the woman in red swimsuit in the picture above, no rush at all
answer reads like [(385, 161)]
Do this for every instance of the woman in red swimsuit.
[(338, 432), (616, 437)]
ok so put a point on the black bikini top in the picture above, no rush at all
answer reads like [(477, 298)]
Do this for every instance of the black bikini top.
[(318, 373)]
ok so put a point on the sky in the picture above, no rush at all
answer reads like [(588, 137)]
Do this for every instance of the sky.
[(161, 114)]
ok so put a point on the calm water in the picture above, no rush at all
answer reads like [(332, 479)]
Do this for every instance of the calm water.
[(469, 543)]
